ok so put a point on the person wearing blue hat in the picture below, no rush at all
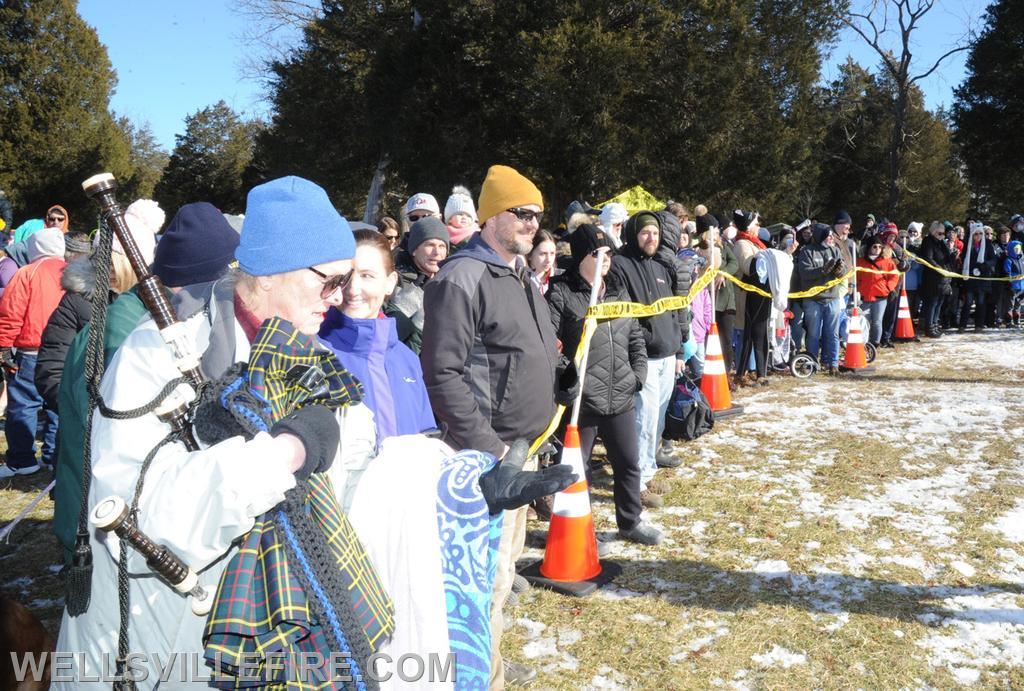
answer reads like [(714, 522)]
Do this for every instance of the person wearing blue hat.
[(294, 259)]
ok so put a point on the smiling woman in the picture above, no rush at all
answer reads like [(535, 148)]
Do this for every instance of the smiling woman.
[(367, 343)]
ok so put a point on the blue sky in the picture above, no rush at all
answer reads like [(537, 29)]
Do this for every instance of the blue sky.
[(174, 58)]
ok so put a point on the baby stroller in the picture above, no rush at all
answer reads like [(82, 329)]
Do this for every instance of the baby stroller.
[(780, 341), (804, 364)]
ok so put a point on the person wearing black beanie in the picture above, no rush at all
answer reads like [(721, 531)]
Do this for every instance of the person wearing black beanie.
[(616, 372), (197, 247)]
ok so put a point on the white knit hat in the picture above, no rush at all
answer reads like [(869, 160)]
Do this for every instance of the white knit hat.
[(422, 202), (460, 202), (611, 214), (145, 218)]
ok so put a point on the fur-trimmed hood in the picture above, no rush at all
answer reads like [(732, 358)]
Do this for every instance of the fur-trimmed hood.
[(79, 277)]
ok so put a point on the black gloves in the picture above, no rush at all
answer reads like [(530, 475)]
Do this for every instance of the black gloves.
[(508, 486), (568, 383), (318, 429), (7, 361), (228, 408)]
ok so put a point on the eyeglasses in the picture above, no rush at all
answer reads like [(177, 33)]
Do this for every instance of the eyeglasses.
[(598, 252), (55, 219), (526, 215), (331, 283), (413, 219)]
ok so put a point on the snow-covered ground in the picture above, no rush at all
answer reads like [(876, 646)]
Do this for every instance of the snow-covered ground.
[(938, 520)]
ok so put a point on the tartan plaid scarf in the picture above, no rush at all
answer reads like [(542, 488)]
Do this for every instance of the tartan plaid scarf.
[(263, 621)]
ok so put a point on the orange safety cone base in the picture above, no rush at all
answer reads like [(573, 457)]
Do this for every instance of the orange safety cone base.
[(715, 382), (609, 571), (856, 355), (728, 412), (570, 557), (904, 324)]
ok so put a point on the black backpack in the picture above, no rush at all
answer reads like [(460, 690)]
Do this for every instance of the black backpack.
[(689, 415)]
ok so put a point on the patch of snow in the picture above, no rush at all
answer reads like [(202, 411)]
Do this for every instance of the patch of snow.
[(964, 568), (1010, 524), (779, 657)]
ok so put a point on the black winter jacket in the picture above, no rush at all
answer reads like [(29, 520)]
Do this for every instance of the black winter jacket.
[(681, 269), (647, 280), (617, 362), (983, 265), (73, 312), (936, 252), (810, 267), (489, 355)]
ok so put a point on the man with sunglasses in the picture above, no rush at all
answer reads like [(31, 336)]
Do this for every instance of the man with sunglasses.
[(57, 217), (489, 357)]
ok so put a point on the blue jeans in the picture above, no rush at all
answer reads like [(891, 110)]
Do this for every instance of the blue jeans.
[(931, 310), (651, 404), (844, 327), (875, 311), (23, 404), (821, 319)]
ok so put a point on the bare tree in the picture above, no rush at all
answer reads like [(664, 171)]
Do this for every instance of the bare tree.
[(888, 26), (272, 29)]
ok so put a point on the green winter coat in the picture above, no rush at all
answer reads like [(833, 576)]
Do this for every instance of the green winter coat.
[(123, 315), (725, 300)]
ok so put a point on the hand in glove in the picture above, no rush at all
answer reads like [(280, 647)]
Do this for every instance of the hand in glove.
[(508, 486), (317, 429), (228, 408), (839, 269), (7, 361), (568, 383)]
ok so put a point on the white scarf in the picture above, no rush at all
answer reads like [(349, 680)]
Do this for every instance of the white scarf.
[(970, 245), (778, 268)]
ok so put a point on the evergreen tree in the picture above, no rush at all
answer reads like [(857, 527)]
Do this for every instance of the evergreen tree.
[(989, 112), (55, 127), (711, 100), (856, 153), (208, 161), (146, 161)]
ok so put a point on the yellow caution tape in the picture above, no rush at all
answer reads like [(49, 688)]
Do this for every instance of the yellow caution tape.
[(952, 274)]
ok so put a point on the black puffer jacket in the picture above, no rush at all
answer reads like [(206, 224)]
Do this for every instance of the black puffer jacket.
[(647, 280), (682, 269), (617, 362), (935, 252), (73, 312)]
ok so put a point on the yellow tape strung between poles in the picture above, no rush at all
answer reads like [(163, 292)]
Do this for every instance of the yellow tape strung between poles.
[(616, 310), (952, 274)]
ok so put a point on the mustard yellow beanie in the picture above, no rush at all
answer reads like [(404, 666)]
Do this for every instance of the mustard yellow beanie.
[(504, 188)]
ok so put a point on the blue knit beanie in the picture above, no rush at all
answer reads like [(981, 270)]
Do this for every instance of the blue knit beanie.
[(197, 246), (290, 224)]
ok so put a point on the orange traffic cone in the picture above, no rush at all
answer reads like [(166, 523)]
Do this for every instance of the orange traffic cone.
[(856, 356), (714, 383), (904, 324), (571, 565)]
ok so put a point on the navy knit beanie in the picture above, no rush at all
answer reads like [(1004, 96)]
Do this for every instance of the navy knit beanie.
[(842, 217), (290, 224), (197, 246)]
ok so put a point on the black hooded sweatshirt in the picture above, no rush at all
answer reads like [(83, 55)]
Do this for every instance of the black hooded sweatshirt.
[(648, 280)]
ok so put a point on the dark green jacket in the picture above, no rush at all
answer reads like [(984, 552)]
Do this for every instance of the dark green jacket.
[(725, 300), (123, 315)]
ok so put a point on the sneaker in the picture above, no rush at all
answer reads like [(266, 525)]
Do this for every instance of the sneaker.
[(7, 471), (657, 485), (642, 533), (520, 584), (517, 674), (650, 499), (833, 370)]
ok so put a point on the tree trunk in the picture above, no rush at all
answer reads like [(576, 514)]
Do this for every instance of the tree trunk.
[(896, 150), (376, 194)]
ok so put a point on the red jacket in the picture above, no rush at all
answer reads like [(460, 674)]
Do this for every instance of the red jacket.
[(28, 301), (876, 286)]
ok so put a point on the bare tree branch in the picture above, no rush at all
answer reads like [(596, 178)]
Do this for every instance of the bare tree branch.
[(938, 62)]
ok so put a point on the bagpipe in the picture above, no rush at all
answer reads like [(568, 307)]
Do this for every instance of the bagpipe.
[(303, 556)]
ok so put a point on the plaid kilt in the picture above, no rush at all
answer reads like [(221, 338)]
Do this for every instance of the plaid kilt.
[(260, 625)]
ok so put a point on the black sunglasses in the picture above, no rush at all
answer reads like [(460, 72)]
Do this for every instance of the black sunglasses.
[(331, 283), (389, 236), (55, 219), (526, 215), (413, 219)]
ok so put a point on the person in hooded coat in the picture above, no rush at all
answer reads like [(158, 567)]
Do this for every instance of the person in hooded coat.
[(616, 371), (30, 298), (817, 264), (648, 280), (978, 262), (1013, 267)]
